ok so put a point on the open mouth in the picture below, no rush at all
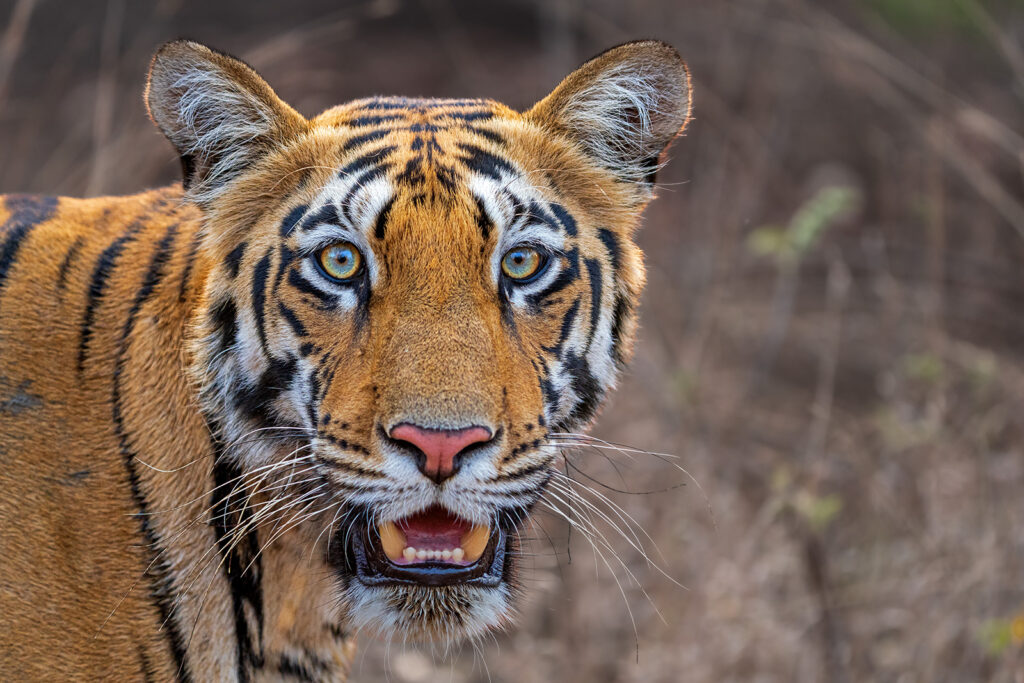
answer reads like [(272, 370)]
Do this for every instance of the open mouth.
[(433, 547)]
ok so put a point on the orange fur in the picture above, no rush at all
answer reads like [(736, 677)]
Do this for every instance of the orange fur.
[(124, 395)]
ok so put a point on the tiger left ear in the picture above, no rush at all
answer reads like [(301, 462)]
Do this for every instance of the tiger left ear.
[(623, 107), (217, 112)]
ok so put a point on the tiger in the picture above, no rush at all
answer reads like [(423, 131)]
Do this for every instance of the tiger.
[(316, 388)]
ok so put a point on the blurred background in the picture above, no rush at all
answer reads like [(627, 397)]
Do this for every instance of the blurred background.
[(833, 334)]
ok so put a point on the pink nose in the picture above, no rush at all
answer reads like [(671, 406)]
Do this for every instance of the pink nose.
[(439, 449)]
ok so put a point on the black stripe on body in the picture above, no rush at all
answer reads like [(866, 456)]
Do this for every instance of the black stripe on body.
[(241, 562), (161, 588), (101, 272), (26, 213), (65, 265), (190, 260)]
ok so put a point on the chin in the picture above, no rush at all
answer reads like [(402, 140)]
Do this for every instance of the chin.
[(428, 576)]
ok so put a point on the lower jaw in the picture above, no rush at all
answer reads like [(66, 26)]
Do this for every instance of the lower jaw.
[(424, 614)]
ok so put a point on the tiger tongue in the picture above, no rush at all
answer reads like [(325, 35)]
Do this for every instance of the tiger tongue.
[(434, 529)]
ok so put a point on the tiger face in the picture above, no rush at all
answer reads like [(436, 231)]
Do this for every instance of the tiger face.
[(407, 300)]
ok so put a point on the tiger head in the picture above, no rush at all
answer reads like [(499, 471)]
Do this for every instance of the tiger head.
[(407, 301)]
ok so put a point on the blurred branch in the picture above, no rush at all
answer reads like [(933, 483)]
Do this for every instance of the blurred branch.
[(106, 94), (1006, 44), (10, 44)]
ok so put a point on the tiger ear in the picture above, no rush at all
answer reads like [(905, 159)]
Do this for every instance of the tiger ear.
[(623, 107), (217, 112)]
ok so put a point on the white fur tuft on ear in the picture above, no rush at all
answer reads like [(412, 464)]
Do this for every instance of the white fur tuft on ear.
[(217, 112), (624, 107)]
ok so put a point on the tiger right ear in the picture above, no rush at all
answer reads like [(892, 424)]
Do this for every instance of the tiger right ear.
[(217, 112), (623, 107)]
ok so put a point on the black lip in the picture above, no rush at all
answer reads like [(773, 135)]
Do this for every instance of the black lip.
[(366, 559)]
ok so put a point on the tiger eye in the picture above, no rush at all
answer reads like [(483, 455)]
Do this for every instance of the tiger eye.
[(341, 261), (522, 263)]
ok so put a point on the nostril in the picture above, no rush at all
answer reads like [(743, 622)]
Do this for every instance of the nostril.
[(439, 449)]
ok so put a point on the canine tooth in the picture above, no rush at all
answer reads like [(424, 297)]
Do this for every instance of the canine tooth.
[(421, 554), (409, 554), (446, 554), (474, 542), (458, 554), (392, 540)]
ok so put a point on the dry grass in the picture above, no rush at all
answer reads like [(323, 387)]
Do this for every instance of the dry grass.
[(846, 388)]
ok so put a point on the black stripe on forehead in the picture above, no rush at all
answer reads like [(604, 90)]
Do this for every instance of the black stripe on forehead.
[(360, 140), (417, 104), (374, 120), (485, 163), (365, 179), (361, 163)]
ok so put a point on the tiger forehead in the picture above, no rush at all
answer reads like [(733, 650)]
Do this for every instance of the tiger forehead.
[(422, 144)]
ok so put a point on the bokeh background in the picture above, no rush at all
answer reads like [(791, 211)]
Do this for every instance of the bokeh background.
[(833, 333)]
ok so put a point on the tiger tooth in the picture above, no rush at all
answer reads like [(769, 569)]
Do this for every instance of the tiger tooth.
[(458, 554), (421, 554), (392, 540), (475, 541), (409, 554)]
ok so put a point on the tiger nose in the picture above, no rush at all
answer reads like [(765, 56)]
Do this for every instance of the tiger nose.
[(438, 451)]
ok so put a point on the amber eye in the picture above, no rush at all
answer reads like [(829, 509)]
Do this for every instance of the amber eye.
[(340, 261), (522, 264)]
